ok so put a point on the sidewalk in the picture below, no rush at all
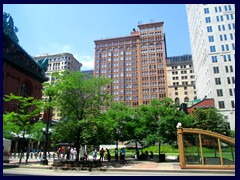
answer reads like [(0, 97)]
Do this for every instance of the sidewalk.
[(130, 165)]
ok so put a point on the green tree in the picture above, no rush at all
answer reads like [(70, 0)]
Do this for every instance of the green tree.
[(36, 131), (79, 99), (210, 119), (161, 118), (21, 121)]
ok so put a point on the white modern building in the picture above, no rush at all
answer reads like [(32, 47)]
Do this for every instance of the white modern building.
[(212, 36), (56, 63)]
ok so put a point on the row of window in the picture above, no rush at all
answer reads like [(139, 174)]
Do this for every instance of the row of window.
[(220, 18), (185, 93), (227, 69), (59, 58), (226, 57), (156, 28), (218, 9), (230, 80), (222, 27), (224, 47), (183, 83), (182, 66), (115, 43), (182, 72), (221, 104)]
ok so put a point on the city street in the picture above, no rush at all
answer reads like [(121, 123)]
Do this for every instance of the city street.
[(48, 172)]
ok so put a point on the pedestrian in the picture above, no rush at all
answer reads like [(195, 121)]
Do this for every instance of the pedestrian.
[(72, 153), (151, 155), (85, 154), (28, 154), (122, 155), (108, 155), (137, 153), (101, 154), (146, 153), (116, 154), (94, 154), (68, 153)]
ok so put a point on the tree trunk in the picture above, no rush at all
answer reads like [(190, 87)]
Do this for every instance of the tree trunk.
[(78, 144), (22, 149)]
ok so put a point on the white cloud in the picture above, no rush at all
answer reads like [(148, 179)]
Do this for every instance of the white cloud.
[(55, 48), (87, 62)]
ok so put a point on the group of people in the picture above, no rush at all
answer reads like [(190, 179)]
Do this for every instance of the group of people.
[(69, 151), (108, 155)]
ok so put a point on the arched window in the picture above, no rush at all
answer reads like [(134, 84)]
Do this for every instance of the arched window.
[(128, 48), (186, 99), (151, 45), (143, 46), (115, 49), (134, 47), (26, 89), (177, 101)]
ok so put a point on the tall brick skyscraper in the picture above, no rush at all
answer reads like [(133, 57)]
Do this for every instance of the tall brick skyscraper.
[(136, 63)]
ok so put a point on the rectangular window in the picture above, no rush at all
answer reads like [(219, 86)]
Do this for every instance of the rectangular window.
[(221, 18), (227, 47), (229, 26), (233, 80), (233, 46), (225, 8), (231, 36), (209, 28), (219, 27), (230, 92), (214, 59), (233, 104), (221, 38), (207, 19), (233, 25), (229, 57), (223, 48), (225, 37), (219, 92), (217, 81), (223, 27), (206, 11), (231, 68), (216, 10), (232, 17), (212, 49), (227, 15), (215, 70), (224, 58), (210, 38), (217, 18), (229, 7), (221, 104), (228, 80), (226, 69), (220, 9)]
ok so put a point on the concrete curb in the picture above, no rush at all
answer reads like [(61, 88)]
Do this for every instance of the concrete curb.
[(119, 169)]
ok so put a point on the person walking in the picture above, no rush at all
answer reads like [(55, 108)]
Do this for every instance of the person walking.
[(122, 155), (101, 154), (94, 154), (108, 155)]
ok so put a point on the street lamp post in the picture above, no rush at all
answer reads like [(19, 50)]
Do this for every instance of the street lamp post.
[(46, 131)]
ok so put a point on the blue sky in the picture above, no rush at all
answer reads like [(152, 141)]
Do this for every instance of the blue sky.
[(58, 28)]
